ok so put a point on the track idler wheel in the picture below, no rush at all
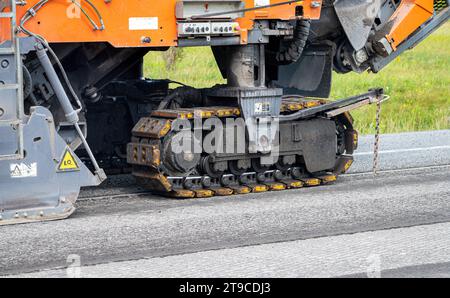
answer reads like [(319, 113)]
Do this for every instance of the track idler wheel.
[(181, 158)]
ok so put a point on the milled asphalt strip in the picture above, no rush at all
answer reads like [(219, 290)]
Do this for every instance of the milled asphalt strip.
[(141, 227), (366, 254)]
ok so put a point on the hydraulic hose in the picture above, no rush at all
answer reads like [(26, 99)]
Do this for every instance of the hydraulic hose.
[(294, 49)]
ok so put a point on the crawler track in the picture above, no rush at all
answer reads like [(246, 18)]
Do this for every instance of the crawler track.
[(154, 171)]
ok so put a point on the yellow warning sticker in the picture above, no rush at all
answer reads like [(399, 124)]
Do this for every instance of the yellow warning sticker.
[(68, 162)]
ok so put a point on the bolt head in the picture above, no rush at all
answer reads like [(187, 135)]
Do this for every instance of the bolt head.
[(146, 39), (5, 63), (361, 56), (316, 4)]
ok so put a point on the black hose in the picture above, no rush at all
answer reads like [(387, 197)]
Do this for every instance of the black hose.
[(27, 82), (294, 49)]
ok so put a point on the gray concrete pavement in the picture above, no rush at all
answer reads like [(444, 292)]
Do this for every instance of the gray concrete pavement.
[(116, 224), (403, 151)]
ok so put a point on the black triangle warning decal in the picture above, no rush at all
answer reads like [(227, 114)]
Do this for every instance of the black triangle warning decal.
[(68, 162)]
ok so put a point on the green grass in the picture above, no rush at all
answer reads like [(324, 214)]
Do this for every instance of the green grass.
[(195, 67), (418, 83)]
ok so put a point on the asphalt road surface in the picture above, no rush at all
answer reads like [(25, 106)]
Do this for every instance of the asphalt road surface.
[(394, 225)]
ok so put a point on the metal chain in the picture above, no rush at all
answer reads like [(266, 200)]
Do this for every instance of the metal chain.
[(376, 148)]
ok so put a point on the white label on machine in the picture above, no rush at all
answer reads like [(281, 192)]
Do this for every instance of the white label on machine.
[(259, 3), (23, 170), (143, 23), (262, 107)]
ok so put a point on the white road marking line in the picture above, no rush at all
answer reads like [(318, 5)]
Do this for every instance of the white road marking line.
[(403, 150), (404, 170)]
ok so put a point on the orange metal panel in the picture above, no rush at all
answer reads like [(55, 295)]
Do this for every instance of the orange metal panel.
[(59, 21), (409, 16), (285, 12)]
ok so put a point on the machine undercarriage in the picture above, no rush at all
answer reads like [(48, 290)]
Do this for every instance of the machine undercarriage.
[(243, 137), (73, 109)]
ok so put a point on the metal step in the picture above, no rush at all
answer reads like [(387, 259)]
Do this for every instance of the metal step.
[(9, 87), (11, 157), (7, 51), (10, 122), (6, 15)]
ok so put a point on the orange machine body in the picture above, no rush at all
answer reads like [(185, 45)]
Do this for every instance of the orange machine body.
[(59, 21)]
